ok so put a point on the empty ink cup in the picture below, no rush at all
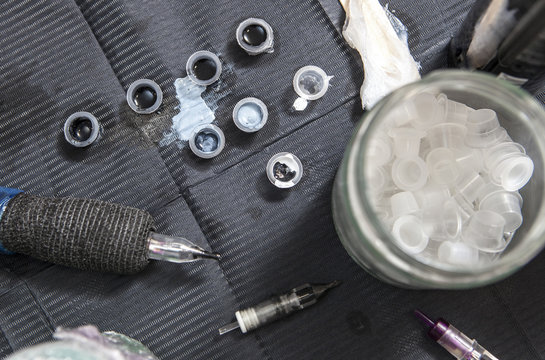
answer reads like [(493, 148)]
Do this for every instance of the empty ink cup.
[(81, 129), (425, 111), (465, 208), (255, 36), (284, 170), (469, 184), (513, 173), (310, 82), (144, 96), (379, 180), (380, 150), (403, 203), (409, 174), (457, 253), (432, 195), (207, 141), (442, 166), (495, 154), (250, 114), (365, 228), (487, 190), (506, 203), (451, 220), (469, 158), (484, 231), (483, 129), (509, 165), (406, 141), (400, 116), (442, 222), (447, 135), (455, 112), (408, 235), (203, 67)]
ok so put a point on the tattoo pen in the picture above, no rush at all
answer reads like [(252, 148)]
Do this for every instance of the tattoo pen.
[(87, 234), (453, 340)]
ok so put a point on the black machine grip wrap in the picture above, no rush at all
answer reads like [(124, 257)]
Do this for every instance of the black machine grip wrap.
[(85, 234)]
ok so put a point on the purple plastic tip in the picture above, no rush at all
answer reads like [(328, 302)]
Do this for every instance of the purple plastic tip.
[(424, 319), (436, 328)]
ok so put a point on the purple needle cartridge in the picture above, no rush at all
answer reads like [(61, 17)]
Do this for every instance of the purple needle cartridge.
[(453, 340)]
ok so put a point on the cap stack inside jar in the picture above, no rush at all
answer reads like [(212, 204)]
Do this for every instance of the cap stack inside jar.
[(445, 178)]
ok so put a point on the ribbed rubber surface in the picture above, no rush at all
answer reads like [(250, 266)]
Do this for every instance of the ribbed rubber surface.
[(80, 233)]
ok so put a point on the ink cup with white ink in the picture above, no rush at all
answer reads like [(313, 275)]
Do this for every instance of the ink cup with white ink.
[(250, 114), (463, 203), (193, 110), (284, 170)]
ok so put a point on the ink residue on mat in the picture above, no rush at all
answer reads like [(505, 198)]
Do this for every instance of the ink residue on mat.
[(194, 111)]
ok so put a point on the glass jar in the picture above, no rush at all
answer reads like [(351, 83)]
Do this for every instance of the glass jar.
[(368, 239)]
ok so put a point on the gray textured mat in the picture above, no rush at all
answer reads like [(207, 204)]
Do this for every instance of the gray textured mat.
[(65, 56)]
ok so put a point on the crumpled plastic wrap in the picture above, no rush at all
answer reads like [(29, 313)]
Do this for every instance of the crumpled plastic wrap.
[(387, 61), (86, 343)]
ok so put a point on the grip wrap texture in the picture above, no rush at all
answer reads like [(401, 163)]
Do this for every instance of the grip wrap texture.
[(81, 233)]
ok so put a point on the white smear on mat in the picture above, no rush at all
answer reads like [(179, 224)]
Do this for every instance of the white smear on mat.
[(388, 63), (194, 111)]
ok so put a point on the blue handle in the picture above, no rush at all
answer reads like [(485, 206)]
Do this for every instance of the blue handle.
[(6, 194)]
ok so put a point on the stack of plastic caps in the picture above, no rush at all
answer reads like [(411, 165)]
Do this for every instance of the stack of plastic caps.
[(445, 179)]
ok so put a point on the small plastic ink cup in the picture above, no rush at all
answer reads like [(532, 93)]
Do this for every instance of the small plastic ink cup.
[(483, 129), (409, 174), (406, 141), (448, 135), (485, 231), (144, 96), (310, 82), (207, 141), (403, 203), (457, 253), (255, 36), (203, 67), (409, 235), (424, 111), (250, 114), (284, 170), (456, 112), (442, 166), (81, 129), (381, 149)]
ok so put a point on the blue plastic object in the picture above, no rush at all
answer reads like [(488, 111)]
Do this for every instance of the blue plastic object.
[(6, 194)]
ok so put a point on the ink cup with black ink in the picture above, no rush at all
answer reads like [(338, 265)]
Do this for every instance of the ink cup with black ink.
[(284, 170), (203, 68), (144, 96), (81, 129), (255, 36), (207, 141), (250, 114), (310, 83)]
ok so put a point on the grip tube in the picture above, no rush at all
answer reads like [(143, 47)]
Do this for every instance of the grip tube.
[(81, 233)]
